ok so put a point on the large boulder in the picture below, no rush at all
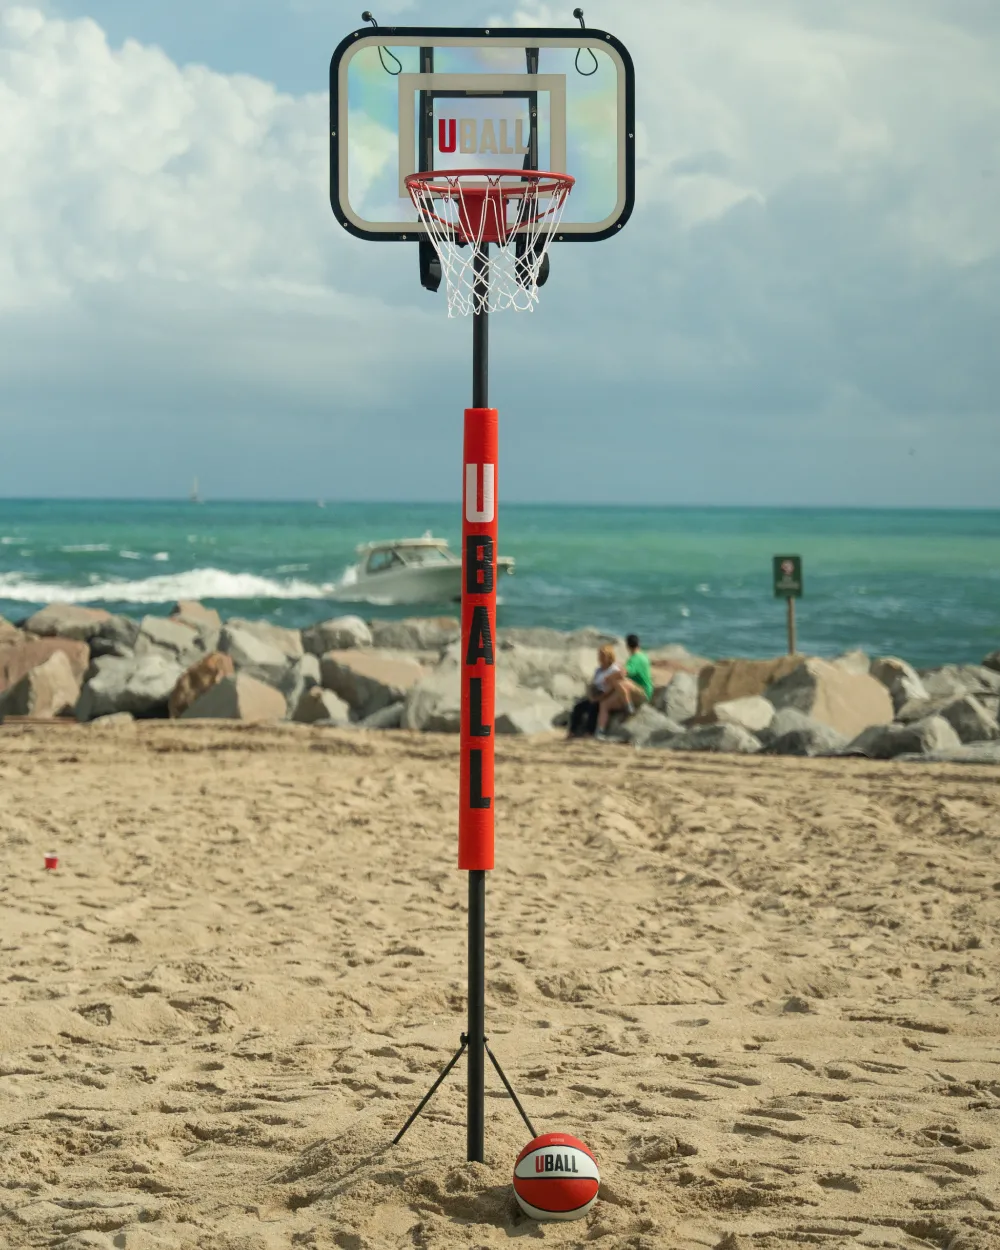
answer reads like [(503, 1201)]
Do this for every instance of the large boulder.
[(522, 710), (992, 662), (51, 689), (848, 702), (563, 674), (418, 633), (240, 697), (737, 679), (116, 636), (317, 704), (674, 655), (287, 641), (970, 720), (367, 681), (24, 654), (543, 638), (301, 675), (390, 717), (191, 612), (730, 738), (811, 739), (647, 728), (201, 676), (853, 662), (9, 633), (956, 680), (885, 742), (254, 656), (678, 699), (900, 679), (174, 640), (786, 720), (753, 712), (141, 685), (341, 633), (66, 620), (432, 703)]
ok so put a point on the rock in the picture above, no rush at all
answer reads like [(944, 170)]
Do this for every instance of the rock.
[(240, 697), (253, 656), (847, 702), (563, 674), (300, 676), (522, 710), (785, 721), (24, 654), (390, 717), (115, 722), (899, 679), (191, 612), (885, 742), (430, 633), (974, 753), (432, 703), (956, 680), (116, 636), (172, 639), (992, 662), (542, 638), (647, 728), (140, 685), (317, 704), (970, 720), (676, 656), (367, 681), (287, 641), (9, 633), (342, 633), (716, 738), (50, 689), (753, 712), (201, 676), (679, 698), (814, 739), (66, 620), (852, 662), (736, 679)]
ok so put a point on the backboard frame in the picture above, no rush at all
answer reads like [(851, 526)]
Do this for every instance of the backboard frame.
[(457, 36)]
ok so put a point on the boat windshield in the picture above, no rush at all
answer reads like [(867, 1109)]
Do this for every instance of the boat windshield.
[(428, 555)]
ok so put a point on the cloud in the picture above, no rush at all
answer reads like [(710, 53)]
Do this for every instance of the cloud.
[(812, 272)]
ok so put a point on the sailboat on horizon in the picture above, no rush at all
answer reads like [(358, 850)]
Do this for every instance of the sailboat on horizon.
[(195, 496)]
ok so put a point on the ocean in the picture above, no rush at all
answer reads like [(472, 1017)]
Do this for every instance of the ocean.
[(924, 585)]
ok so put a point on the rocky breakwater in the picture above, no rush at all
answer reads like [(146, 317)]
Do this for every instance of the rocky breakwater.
[(84, 663)]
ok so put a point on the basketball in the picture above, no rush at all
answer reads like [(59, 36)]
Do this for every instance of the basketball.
[(556, 1178)]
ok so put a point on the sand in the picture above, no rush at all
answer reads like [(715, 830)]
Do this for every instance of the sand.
[(765, 991)]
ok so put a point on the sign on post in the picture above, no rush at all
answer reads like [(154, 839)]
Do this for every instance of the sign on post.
[(788, 586)]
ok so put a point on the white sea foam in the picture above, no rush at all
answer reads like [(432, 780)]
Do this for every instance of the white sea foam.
[(86, 547), (195, 584)]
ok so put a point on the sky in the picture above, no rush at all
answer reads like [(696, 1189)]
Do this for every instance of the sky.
[(803, 309)]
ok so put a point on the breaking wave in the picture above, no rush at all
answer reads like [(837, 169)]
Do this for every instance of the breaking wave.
[(195, 584)]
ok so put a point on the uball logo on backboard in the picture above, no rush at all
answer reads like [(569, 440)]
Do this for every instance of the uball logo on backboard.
[(470, 135)]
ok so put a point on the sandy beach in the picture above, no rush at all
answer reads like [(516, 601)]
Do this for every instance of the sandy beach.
[(763, 990)]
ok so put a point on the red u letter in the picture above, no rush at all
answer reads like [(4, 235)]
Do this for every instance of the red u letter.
[(447, 141)]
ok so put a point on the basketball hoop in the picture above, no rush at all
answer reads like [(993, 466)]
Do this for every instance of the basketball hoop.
[(465, 210)]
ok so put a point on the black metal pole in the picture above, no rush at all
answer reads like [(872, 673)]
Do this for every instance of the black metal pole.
[(475, 1108)]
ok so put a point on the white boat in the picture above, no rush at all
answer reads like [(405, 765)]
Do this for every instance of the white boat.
[(407, 570)]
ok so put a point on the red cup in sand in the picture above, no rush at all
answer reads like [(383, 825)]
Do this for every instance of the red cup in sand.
[(51, 861)]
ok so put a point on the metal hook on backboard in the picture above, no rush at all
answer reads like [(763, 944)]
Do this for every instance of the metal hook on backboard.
[(578, 14), (383, 52)]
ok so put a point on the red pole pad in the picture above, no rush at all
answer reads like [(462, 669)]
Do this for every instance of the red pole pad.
[(479, 631)]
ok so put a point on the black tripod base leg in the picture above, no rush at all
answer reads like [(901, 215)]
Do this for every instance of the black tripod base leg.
[(431, 1092), (510, 1090)]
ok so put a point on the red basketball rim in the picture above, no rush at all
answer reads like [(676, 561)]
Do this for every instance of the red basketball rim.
[(549, 187)]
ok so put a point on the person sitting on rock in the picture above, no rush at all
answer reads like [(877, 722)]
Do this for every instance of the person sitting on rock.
[(583, 719), (625, 690)]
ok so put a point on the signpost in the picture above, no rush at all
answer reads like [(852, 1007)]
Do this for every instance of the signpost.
[(788, 586)]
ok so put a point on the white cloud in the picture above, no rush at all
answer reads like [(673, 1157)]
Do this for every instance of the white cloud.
[(817, 233)]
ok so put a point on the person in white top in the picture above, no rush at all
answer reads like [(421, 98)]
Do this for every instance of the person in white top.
[(592, 713)]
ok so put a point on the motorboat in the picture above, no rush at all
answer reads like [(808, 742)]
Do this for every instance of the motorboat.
[(407, 570)]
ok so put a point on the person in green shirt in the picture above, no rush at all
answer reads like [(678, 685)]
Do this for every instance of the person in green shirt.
[(637, 669)]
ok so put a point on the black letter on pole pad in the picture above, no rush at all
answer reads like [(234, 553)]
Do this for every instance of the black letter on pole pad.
[(476, 727), (476, 565), (480, 645), (476, 796)]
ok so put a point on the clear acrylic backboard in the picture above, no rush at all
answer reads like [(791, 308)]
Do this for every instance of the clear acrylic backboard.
[(405, 100)]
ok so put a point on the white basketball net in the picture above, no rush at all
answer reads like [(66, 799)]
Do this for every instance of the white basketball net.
[(518, 212)]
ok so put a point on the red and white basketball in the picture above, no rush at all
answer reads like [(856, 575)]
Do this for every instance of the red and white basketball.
[(556, 1178)]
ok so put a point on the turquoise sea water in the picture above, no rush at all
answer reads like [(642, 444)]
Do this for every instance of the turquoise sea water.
[(924, 585)]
